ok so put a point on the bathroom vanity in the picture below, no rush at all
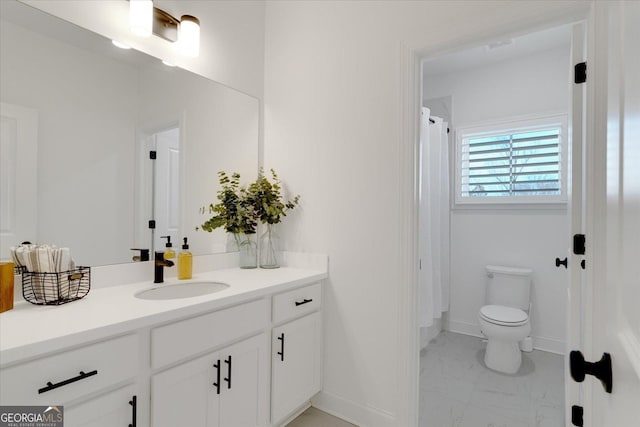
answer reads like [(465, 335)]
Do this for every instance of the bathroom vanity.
[(247, 355)]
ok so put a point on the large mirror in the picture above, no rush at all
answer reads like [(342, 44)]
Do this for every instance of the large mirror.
[(79, 119)]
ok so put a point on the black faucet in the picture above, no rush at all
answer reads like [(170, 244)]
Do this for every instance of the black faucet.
[(159, 264)]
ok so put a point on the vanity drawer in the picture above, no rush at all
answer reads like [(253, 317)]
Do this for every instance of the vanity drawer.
[(185, 338), (296, 302), (104, 363)]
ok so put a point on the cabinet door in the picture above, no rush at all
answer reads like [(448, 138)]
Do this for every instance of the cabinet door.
[(107, 410), (295, 359), (243, 395), (185, 395)]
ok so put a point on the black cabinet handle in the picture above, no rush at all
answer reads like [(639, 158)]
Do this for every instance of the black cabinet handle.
[(304, 301), (228, 379), (281, 352), (217, 383), (560, 262), (50, 386), (134, 411)]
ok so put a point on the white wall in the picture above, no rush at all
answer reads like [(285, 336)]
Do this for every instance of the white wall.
[(536, 84), (333, 132), (231, 35), (59, 81)]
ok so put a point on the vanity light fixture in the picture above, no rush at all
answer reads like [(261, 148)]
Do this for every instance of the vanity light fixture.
[(145, 19), (141, 17)]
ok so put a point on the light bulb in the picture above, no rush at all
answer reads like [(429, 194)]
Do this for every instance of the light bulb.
[(141, 17), (189, 37)]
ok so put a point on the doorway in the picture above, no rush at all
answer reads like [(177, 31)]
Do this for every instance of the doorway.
[(510, 207)]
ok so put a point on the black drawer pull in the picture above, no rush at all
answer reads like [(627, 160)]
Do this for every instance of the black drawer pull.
[(134, 411), (304, 301), (228, 379), (281, 352), (217, 383), (50, 386)]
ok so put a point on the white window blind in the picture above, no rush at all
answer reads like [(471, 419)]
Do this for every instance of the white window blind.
[(519, 163)]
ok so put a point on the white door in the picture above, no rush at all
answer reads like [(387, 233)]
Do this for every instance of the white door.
[(166, 188), (242, 397), (616, 285), (18, 176), (111, 409), (295, 361), (185, 395), (576, 179)]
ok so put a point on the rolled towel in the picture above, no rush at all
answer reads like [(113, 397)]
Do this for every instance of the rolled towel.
[(62, 259), (42, 262)]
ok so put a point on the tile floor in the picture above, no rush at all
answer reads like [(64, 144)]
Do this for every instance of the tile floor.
[(313, 417), (457, 390)]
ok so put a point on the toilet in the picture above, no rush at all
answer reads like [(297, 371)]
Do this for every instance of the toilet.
[(504, 319)]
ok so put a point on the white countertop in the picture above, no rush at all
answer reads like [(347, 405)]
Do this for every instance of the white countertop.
[(29, 331)]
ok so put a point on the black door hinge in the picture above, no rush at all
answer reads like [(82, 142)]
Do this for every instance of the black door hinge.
[(579, 244), (152, 224), (580, 73), (577, 415), (152, 154)]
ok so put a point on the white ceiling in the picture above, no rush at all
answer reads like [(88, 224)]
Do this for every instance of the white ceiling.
[(507, 49)]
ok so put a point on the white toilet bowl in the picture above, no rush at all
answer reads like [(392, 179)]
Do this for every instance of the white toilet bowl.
[(504, 328)]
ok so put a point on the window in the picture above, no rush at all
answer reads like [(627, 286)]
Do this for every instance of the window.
[(514, 162)]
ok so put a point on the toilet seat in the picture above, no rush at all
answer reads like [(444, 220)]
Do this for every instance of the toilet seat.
[(504, 316)]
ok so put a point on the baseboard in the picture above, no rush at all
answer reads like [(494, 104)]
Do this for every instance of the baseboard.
[(550, 345), (352, 412), (539, 343), (295, 414)]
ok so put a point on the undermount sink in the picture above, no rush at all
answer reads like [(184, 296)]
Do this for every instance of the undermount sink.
[(181, 290)]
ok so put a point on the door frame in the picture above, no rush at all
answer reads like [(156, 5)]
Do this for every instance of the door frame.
[(410, 104)]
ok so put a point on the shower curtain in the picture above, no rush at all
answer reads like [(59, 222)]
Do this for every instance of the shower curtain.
[(433, 284)]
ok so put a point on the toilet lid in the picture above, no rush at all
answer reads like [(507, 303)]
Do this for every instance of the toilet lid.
[(504, 315)]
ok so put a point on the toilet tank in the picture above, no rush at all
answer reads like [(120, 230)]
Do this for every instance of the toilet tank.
[(508, 286)]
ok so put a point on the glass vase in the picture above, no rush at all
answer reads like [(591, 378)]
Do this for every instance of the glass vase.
[(269, 247), (248, 250)]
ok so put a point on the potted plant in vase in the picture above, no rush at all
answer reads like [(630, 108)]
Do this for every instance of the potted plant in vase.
[(236, 213), (270, 207)]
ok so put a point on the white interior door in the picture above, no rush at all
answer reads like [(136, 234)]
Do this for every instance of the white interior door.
[(616, 322), (575, 175), (18, 176), (167, 186)]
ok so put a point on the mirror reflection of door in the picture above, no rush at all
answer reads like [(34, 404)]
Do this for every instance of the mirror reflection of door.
[(18, 178), (166, 185)]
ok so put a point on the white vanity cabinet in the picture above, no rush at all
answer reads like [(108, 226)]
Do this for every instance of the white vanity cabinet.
[(226, 387), (96, 378), (220, 389), (296, 350), (250, 358)]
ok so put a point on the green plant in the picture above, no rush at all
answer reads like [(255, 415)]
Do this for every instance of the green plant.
[(234, 211), (266, 198)]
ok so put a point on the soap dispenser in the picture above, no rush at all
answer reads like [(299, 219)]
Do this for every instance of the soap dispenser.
[(169, 253), (185, 262)]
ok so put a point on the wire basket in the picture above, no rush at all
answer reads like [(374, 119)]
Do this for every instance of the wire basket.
[(19, 269), (56, 288)]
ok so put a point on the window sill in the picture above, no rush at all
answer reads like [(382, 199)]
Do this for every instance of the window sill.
[(540, 206)]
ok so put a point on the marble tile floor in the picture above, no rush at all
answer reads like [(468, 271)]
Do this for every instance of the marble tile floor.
[(313, 417), (457, 390)]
